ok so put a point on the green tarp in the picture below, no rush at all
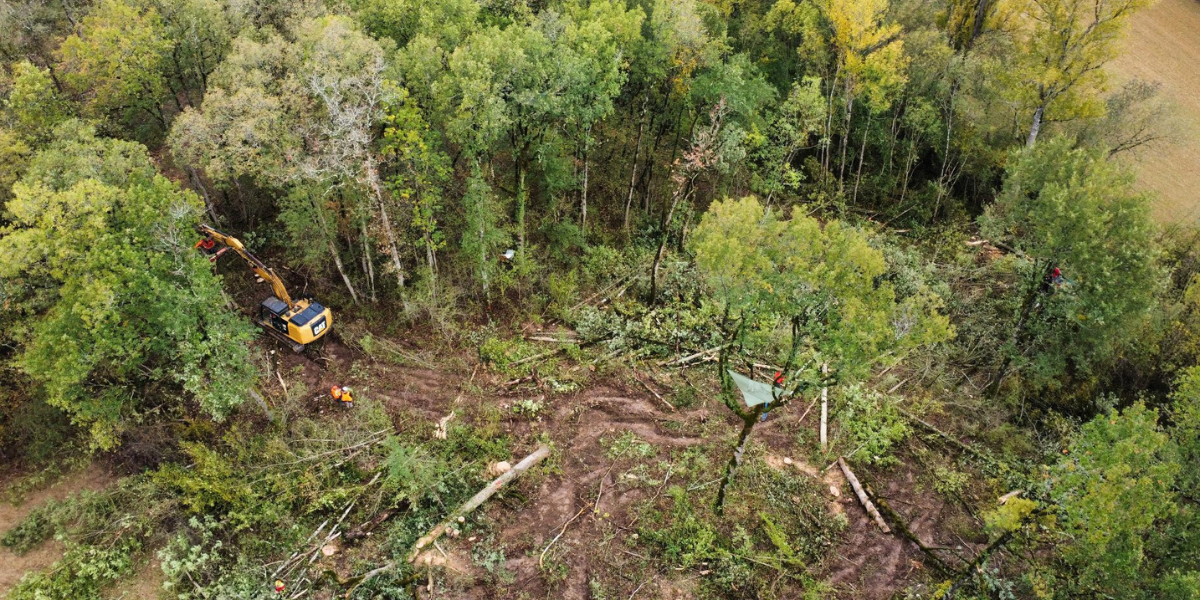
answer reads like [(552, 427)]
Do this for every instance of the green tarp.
[(754, 392)]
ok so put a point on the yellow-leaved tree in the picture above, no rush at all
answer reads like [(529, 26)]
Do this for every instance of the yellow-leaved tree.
[(1057, 74), (870, 62)]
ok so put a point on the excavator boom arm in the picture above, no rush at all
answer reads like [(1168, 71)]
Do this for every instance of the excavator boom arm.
[(259, 267)]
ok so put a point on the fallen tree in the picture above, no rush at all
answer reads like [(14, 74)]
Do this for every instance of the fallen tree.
[(479, 498)]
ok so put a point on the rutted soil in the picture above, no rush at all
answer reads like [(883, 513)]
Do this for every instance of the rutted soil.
[(585, 500)]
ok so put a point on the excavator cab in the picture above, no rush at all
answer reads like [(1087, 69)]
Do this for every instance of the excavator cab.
[(301, 325), (296, 323)]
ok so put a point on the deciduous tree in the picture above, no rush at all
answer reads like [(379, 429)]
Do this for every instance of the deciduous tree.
[(113, 307)]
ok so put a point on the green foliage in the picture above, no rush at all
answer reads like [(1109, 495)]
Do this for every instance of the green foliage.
[(628, 445), (116, 60), (1112, 487), (35, 104), (102, 532), (14, 157), (137, 314), (1075, 210), (81, 574), (808, 291), (874, 423), (1062, 47), (411, 472), (949, 482), (213, 485), (1010, 516), (34, 529), (1185, 416)]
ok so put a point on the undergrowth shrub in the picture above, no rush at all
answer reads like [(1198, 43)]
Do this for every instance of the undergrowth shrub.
[(874, 424)]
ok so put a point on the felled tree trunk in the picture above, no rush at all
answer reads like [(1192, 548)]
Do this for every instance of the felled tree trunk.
[(862, 497)]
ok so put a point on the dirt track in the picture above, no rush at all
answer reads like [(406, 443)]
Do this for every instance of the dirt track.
[(12, 566)]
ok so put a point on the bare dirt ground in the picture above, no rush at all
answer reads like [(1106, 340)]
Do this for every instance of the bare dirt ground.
[(585, 505), (1163, 46), (13, 566), (588, 501)]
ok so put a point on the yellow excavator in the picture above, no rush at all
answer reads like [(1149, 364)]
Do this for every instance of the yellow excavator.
[(296, 323)]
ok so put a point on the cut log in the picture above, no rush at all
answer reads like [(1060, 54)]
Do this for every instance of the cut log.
[(526, 463), (862, 497), (479, 498)]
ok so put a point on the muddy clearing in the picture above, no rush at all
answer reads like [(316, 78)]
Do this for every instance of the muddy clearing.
[(556, 533)]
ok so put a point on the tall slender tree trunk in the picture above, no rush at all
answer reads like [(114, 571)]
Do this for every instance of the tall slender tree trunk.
[(583, 198), (981, 9), (208, 203), (1036, 127), (680, 190), (372, 174), (862, 151), (895, 137), (337, 260), (824, 410), (828, 135), (520, 210), (368, 263), (637, 150), (845, 138)]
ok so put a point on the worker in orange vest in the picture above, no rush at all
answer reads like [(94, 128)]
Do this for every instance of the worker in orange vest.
[(343, 395)]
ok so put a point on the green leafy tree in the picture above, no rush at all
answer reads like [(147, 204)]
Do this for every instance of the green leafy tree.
[(482, 236), (14, 158), (1062, 46), (516, 85), (34, 103), (113, 307), (115, 63), (870, 62), (1113, 487), (1075, 210), (303, 112), (422, 172), (802, 294)]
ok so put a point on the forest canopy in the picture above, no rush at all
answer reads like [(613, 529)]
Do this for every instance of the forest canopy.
[(920, 214)]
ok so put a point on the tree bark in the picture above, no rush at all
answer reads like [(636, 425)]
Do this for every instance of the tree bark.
[(337, 260), (368, 264), (981, 9), (520, 209), (824, 411), (862, 497), (845, 138), (208, 203), (583, 198), (372, 174), (749, 420), (862, 151), (526, 463), (662, 245), (1036, 127), (637, 149)]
